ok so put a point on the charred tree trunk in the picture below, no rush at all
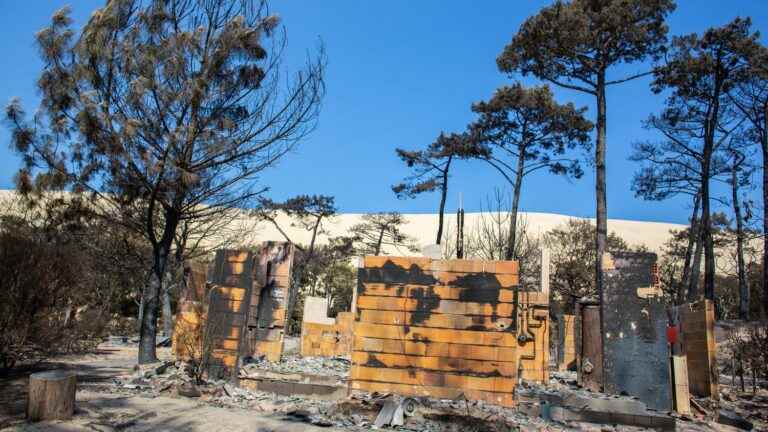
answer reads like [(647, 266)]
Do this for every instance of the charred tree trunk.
[(512, 239), (379, 241), (168, 284), (709, 247), (443, 197), (311, 251), (160, 253), (601, 211), (685, 280), (742, 273), (460, 233), (764, 147), (142, 307), (693, 287), (710, 128), (148, 330)]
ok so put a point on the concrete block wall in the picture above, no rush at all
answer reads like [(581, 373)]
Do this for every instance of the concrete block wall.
[(447, 329), (332, 337), (240, 304)]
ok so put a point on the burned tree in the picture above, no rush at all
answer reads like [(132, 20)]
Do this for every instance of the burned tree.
[(700, 72), (524, 130), (750, 97), (174, 107), (379, 230), (574, 44), (572, 256), (308, 211), (741, 171), (431, 167), (670, 168)]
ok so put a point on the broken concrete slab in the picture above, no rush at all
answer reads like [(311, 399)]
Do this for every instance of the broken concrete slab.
[(571, 404), (188, 390), (646, 420), (292, 388), (295, 377)]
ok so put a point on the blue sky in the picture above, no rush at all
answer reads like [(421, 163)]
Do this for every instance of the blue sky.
[(399, 72)]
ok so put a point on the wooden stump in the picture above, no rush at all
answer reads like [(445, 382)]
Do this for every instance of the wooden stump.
[(51, 395)]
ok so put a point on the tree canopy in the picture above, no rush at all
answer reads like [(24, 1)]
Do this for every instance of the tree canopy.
[(172, 108), (523, 130)]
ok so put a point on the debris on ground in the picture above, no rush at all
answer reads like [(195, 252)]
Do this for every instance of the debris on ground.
[(337, 367), (561, 405)]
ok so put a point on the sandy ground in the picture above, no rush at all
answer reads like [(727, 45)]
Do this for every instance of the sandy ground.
[(99, 408)]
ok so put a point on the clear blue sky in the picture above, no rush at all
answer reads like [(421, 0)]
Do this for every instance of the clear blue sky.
[(398, 73)]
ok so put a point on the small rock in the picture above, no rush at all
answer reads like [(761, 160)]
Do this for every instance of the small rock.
[(188, 390)]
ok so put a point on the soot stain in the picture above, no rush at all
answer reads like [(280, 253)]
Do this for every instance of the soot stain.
[(426, 302), (373, 361), (480, 288)]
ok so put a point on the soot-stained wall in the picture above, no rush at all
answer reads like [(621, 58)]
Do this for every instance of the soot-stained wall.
[(236, 308), (636, 358), (447, 329)]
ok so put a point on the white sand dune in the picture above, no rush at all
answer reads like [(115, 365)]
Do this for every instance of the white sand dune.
[(423, 227)]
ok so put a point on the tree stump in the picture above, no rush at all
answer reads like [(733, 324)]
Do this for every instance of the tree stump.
[(51, 395)]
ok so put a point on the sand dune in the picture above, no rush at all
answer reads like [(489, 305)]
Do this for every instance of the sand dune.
[(422, 227)]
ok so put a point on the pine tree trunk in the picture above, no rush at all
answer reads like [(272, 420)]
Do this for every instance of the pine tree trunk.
[(379, 241), (743, 286), (684, 282), (512, 237), (711, 126), (167, 310), (142, 307), (601, 212), (443, 196), (160, 253), (709, 249), (693, 287), (148, 329), (765, 213)]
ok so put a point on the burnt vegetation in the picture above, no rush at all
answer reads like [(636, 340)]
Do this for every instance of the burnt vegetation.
[(157, 120)]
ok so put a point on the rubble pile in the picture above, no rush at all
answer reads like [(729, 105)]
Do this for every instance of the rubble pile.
[(337, 367), (558, 406), (358, 412)]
